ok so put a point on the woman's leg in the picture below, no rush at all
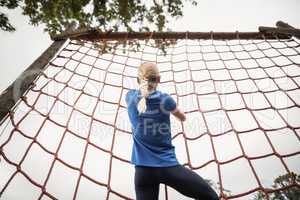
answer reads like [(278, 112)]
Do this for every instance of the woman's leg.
[(146, 184), (187, 182)]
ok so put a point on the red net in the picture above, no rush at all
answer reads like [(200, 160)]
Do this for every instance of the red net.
[(69, 136)]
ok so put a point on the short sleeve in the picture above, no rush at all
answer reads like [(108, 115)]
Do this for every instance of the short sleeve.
[(169, 104)]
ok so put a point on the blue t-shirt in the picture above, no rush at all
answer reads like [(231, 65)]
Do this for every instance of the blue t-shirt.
[(151, 130)]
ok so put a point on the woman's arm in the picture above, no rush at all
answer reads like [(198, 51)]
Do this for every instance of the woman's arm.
[(179, 114)]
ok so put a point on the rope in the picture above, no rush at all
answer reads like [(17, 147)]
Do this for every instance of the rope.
[(205, 64)]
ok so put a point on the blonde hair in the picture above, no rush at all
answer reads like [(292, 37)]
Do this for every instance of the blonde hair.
[(146, 71)]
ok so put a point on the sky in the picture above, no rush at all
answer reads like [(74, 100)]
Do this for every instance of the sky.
[(20, 49)]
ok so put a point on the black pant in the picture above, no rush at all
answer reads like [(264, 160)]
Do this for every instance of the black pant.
[(182, 179)]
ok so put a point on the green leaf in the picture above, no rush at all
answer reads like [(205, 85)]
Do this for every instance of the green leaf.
[(122, 15)]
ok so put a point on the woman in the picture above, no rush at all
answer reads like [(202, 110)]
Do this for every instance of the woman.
[(153, 153)]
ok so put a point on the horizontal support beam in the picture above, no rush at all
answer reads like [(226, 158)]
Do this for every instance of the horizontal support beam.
[(94, 34)]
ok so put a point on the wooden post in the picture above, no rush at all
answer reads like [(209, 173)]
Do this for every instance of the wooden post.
[(15, 91), (281, 28), (12, 94), (281, 24)]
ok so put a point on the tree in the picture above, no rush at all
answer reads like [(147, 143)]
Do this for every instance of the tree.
[(104, 14), (292, 193), (4, 22)]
